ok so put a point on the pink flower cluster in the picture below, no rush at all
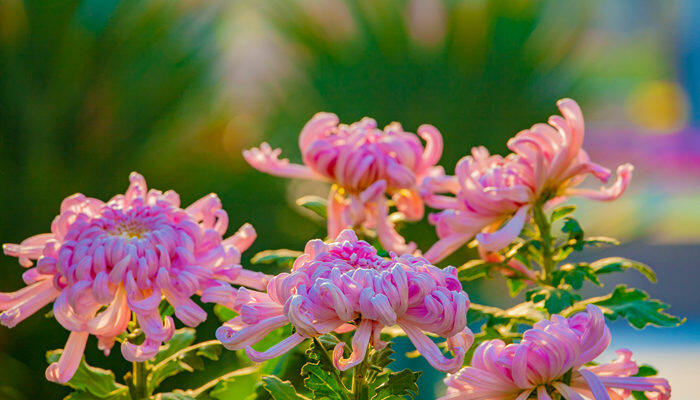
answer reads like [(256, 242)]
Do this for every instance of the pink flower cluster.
[(493, 195), (539, 365), (104, 261), (345, 285), (365, 164)]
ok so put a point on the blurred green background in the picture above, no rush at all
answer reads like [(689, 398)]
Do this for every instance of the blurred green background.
[(91, 90)]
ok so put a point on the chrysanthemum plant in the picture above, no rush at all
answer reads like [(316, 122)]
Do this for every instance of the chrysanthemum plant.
[(121, 271)]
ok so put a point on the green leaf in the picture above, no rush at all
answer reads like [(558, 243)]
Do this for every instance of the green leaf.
[(322, 383), (601, 241), (99, 383), (646, 370), (554, 299), (562, 212), (173, 396), (85, 396), (574, 275), (184, 359), (240, 387), (515, 286), (619, 264), (223, 313), (181, 339), (573, 229), (402, 383), (281, 257), (636, 306), (474, 269), (318, 205), (280, 390)]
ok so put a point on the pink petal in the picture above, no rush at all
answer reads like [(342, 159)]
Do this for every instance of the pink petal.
[(503, 237), (63, 370)]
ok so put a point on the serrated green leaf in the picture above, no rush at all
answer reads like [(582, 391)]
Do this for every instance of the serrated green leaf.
[(280, 390), (619, 264), (574, 275), (515, 286), (574, 231), (402, 383), (554, 299), (322, 383), (318, 205), (281, 257), (635, 306), (94, 381), (223, 313), (562, 212)]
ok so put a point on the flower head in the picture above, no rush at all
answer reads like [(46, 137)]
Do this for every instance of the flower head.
[(493, 195), (104, 261), (553, 358), (365, 164), (345, 285)]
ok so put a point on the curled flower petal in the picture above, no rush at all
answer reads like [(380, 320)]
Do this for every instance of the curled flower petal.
[(63, 370), (503, 237)]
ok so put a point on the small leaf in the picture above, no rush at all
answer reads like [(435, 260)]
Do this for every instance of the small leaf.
[(191, 358), (573, 229), (562, 212), (600, 241), (181, 339), (281, 257), (223, 313), (240, 387), (636, 306), (99, 383), (173, 396), (402, 383), (619, 264), (318, 205), (515, 286), (280, 390), (555, 299), (574, 275)]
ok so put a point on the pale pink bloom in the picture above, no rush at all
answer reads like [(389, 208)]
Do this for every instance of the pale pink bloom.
[(538, 364), (345, 285), (493, 195), (104, 261), (365, 165)]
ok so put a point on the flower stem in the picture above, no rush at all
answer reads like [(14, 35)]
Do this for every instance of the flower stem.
[(139, 376), (360, 389), (545, 230)]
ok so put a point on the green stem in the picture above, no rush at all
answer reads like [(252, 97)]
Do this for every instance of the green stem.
[(139, 373), (360, 389), (545, 231)]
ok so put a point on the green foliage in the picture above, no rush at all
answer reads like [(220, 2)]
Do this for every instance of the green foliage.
[(282, 257), (397, 384), (475, 269), (633, 305), (619, 264), (179, 356), (237, 385), (554, 300), (223, 313), (515, 286), (575, 234), (281, 390), (574, 275), (92, 382), (562, 212), (321, 376), (315, 204)]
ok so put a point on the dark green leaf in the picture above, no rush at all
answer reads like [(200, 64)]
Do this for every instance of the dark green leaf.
[(173, 396), (281, 257), (280, 390), (515, 286), (636, 306), (94, 381), (402, 383), (573, 229), (318, 205), (555, 299), (241, 387), (184, 359), (322, 383), (181, 339), (574, 275), (562, 212), (646, 370), (619, 264)]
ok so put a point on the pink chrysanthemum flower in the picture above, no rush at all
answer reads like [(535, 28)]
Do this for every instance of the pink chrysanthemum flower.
[(494, 194), (553, 357), (345, 285), (104, 261), (365, 164)]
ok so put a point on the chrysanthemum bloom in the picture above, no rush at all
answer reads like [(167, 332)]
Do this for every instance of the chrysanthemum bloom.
[(345, 285), (553, 358), (364, 164), (104, 261), (494, 194)]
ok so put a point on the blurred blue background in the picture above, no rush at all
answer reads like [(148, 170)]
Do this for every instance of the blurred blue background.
[(91, 90)]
